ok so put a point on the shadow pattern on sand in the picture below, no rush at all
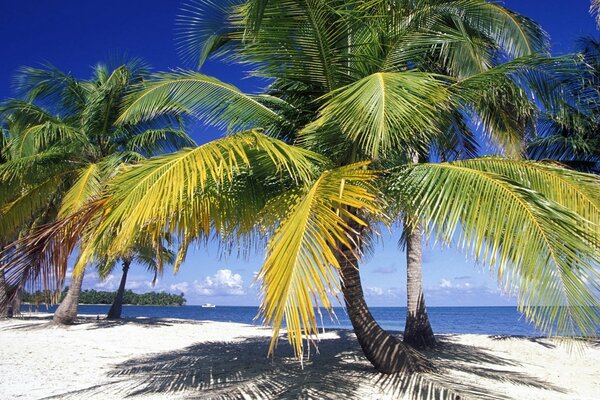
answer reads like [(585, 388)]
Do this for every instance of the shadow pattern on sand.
[(91, 323), (241, 370)]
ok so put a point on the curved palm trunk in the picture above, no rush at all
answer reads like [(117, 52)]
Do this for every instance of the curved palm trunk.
[(417, 331), (387, 353), (117, 305), (66, 313)]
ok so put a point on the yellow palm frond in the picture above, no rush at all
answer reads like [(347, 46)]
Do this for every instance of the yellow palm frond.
[(301, 269), (87, 187), (189, 193)]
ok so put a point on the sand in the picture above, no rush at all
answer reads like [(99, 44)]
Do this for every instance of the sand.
[(177, 359)]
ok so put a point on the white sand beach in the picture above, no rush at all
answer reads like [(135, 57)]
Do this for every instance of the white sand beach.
[(177, 359)]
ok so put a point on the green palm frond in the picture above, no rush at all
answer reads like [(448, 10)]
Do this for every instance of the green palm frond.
[(204, 27), (191, 93), (301, 270), (576, 191), (387, 110), (153, 141), (19, 211), (504, 98), (542, 249)]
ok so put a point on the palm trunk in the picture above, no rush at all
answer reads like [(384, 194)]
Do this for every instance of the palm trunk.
[(117, 305), (16, 302), (3, 297), (387, 353), (66, 313), (417, 331)]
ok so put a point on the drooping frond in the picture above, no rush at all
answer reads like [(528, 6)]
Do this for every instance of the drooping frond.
[(86, 188), (386, 110), (179, 192), (20, 211), (41, 258), (204, 27), (301, 270), (541, 247), (576, 191), (191, 93)]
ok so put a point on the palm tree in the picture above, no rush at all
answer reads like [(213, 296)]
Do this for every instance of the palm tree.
[(64, 144), (144, 254), (312, 166)]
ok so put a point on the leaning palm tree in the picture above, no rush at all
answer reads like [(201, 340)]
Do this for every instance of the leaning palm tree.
[(313, 165), (64, 144), (142, 253)]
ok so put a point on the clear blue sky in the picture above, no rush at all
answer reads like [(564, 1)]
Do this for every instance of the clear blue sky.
[(74, 34)]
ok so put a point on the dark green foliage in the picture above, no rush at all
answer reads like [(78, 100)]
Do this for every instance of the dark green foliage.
[(92, 296)]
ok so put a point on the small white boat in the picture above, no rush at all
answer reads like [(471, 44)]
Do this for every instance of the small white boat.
[(208, 305)]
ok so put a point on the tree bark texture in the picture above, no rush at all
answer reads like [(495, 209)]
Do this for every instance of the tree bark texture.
[(117, 306), (417, 331), (3, 297), (387, 353), (66, 313)]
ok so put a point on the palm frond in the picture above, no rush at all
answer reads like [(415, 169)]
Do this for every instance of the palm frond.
[(86, 188), (542, 249), (387, 110), (179, 192), (191, 93), (301, 270)]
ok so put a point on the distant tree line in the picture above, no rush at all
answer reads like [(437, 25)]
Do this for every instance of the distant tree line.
[(101, 297)]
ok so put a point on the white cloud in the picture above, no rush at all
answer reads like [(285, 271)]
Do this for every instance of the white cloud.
[(182, 287), (445, 283), (375, 291), (92, 279), (222, 283)]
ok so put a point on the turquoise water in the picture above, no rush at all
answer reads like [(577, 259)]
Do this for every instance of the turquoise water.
[(483, 320)]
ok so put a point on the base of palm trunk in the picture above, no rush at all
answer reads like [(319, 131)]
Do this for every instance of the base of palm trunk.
[(66, 313), (418, 332), (387, 353)]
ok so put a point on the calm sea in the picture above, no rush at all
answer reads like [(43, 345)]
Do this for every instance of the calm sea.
[(484, 320)]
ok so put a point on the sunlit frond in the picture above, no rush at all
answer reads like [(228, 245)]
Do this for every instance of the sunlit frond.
[(301, 270), (191, 93), (387, 110), (178, 192), (86, 188), (542, 249)]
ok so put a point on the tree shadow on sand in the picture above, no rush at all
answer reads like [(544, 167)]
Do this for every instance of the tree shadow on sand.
[(91, 323), (241, 370)]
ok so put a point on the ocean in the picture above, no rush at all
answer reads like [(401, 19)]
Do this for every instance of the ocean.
[(482, 320)]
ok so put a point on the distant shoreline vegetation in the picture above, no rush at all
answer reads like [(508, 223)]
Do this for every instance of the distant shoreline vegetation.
[(92, 296)]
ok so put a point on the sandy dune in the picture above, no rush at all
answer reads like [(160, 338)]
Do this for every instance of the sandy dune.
[(173, 359)]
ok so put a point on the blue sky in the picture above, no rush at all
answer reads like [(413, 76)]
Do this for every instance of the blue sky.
[(73, 35)]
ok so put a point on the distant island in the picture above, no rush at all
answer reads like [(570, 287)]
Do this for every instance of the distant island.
[(101, 297)]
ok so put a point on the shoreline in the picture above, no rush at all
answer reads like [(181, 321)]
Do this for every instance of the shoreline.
[(165, 358)]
